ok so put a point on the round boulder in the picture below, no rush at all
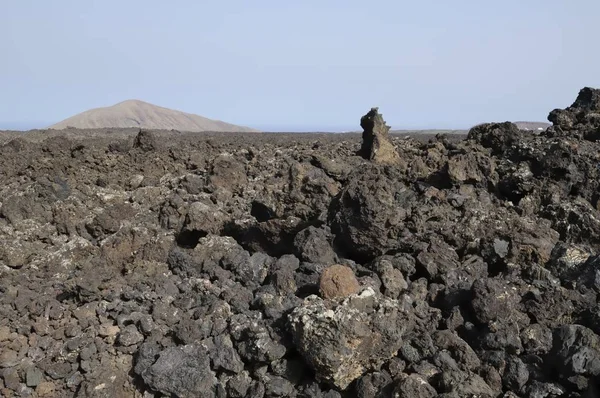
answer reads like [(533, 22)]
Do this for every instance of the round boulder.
[(338, 281)]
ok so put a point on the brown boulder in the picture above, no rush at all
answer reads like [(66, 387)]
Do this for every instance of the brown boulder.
[(338, 281)]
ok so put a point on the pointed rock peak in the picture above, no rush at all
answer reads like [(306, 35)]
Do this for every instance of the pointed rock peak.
[(587, 99), (376, 145), (582, 114)]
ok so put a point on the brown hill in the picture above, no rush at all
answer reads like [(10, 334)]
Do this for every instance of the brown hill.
[(135, 113)]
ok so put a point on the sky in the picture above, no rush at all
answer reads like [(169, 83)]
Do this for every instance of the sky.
[(298, 65)]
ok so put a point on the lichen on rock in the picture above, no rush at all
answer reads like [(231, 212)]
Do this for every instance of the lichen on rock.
[(341, 341)]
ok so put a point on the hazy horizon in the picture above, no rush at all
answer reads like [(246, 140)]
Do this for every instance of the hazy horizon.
[(8, 126), (298, 66), (32, 125)]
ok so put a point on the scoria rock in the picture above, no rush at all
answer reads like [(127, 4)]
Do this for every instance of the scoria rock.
[(342, 341), (183, 371), (146, 141), (338, 281)]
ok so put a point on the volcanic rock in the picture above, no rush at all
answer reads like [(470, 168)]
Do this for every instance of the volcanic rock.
[(312, 245), (338, 281), (368, 216), (414, 386), (575, 353), (183, 371), (498, 137), (376, 145), (146, 141), (583, 113), (343, 341)]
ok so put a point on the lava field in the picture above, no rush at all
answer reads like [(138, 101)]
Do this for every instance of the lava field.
[(166, 264)]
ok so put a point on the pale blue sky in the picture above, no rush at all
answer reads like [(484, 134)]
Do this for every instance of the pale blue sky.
[(298, 65)]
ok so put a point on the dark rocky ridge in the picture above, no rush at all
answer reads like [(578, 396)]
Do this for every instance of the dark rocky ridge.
[(190, 265)]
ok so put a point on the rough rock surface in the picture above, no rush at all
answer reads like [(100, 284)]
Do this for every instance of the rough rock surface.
[(338, 281), (376, 145), (146, 141), (342, 341), (177, 264)]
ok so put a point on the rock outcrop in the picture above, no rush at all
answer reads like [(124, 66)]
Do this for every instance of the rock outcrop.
[(376, 144)]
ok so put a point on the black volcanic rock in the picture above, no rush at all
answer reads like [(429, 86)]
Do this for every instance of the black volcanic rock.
[(499, 137), (576, 355), (368, 215), (183, 371), (584, 111), (146, 141)]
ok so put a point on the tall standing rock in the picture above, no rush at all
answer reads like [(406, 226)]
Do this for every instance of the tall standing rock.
[(376, 144)]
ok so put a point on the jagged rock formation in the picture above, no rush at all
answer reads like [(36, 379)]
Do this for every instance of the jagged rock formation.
[(376, 145), (582, 118), (203, 265)]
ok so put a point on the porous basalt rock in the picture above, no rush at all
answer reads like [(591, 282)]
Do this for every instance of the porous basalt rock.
[(146, 141), (584, 113), (342, 341), (368, 215), (338, 281), (182, 371)]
